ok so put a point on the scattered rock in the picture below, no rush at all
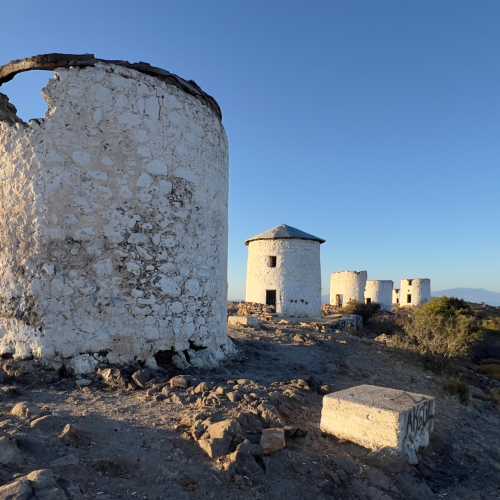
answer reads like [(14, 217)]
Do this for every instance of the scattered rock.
[(201, 388), (9, 451), (299, 339), (9, 391), (179, 382), (174, 398), (272, 440), (245, 321), (326, 389), (73, 436), (23, 410), (250, 422), (46, 423), (197, 429), (301, 384), (220, 438), (220, 391), (233, 396), (39, 484), (141, 377), (244, 381), (269, 414), (243, 460), (113, 377), (153, 390), (18, 490)]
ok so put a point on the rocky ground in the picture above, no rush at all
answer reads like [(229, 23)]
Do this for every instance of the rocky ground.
[(249, 429)]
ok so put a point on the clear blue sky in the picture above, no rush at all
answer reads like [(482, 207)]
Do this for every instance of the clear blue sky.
[(373, 124)]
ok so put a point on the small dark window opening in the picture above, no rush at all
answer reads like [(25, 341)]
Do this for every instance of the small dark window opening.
[(270, 297), (397, 300), (368, 300), (271, 261), (408, 298), (338, 300), (410, 282)]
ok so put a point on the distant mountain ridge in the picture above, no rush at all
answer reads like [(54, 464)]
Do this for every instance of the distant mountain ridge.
[(477, 295)]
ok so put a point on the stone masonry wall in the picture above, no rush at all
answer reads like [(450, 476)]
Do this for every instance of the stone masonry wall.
[(113, 224)]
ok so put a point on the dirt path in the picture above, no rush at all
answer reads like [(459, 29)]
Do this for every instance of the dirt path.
[(139, 443)]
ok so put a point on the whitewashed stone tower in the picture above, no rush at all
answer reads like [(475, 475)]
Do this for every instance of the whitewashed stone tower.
[(379, 292), (347, 287), (414, 291), (395, 297), (113, 218), (284, 270)]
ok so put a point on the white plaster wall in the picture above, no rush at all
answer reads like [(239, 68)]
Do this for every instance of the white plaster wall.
[(350, 285), (420, 290), (395, 296), (380, 292), (296, 277), (113, 224)]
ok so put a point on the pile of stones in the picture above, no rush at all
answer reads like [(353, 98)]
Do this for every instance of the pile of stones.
[(253, 308)]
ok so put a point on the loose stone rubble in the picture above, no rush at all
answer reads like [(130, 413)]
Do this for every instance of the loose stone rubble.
[(380, 418), (255, 309), (237, 321)]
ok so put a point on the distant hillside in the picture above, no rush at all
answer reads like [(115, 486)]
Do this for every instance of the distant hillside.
[(477, 295)]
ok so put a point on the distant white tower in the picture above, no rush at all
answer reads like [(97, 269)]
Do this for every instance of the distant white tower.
[(395, 297), (284, 271), (414, 291), (379, 292), (347, 287)]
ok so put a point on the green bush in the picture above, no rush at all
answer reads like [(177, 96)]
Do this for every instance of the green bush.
[(364, 310), (445, 327)]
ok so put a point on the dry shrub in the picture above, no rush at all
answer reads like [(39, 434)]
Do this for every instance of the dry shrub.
[(444, 327), (366, 311)]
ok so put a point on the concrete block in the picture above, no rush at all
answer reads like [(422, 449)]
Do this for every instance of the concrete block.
[(380, 418), (238, 321), (347, 322)]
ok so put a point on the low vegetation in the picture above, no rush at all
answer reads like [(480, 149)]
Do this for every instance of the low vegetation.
[(442, 329), (445, 327), (364, 310)]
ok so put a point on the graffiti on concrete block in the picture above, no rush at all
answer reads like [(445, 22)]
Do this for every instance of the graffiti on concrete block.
[(419, 417)]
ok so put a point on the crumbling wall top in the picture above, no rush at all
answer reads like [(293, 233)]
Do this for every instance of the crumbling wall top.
[(54, 61)]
